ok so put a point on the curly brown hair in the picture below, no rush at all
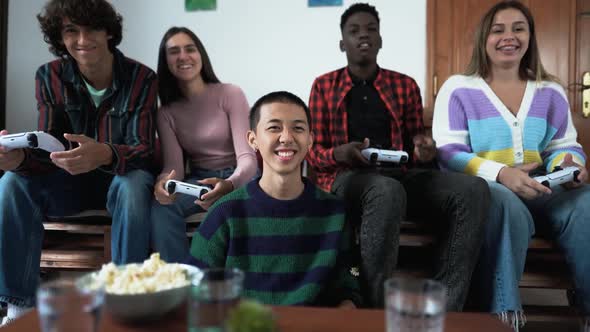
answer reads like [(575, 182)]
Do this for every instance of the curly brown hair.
[(96, 14)]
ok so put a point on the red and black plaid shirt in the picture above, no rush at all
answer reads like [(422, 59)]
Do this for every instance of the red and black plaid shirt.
[(399, 92)]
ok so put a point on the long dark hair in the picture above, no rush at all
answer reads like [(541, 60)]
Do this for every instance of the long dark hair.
[(168, 89), (530, 67)]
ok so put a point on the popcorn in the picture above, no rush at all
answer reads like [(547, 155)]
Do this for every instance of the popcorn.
[(152, 276)]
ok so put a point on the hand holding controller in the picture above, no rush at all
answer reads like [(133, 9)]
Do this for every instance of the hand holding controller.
[(559, 176), (173, 186), (33, 140), (388, 156)]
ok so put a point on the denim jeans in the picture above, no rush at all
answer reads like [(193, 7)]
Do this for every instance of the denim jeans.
[(563, 216), (168, 235), (456, 204), (24, 200)]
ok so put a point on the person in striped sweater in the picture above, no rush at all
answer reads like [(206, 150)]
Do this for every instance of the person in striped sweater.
[(289, 237), (502, 119)]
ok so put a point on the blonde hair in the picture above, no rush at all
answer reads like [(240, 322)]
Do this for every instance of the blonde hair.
[(530, 67)]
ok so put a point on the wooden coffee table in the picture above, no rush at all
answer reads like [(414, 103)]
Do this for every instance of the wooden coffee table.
[(290, 319)]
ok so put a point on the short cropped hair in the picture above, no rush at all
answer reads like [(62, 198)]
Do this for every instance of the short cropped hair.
[(276, 97), (96, 14), (357, 8)]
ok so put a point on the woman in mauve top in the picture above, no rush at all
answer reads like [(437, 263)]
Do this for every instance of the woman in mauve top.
[(204, 121)]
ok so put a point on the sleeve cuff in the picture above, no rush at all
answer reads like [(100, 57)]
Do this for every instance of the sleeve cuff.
[(114, 166), (490, 170), (330, 157)]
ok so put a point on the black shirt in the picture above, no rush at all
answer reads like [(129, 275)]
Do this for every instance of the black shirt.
[(367, 114)]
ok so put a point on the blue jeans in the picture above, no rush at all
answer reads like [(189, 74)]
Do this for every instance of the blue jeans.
[(24, 200), (168, 235), (564, 216)]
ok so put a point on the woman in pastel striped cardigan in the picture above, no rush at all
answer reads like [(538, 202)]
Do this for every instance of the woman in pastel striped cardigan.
[(504, 118)]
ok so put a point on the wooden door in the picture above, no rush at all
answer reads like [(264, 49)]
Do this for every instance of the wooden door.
[(582, 66), (563, 34)]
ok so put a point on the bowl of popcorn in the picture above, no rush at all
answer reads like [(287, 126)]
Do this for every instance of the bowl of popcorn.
[(142, 291)]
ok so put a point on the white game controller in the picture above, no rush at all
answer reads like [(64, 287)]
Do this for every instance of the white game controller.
[(173, 186), (559, 176), (33, 140), (389, 156)]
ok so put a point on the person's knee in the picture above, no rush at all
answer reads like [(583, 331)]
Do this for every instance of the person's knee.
[(386, 191), (134, 183), (581, 205), (575, 213), (384, 205), (132, 191), (507, 211), (158, 218), (476, 188), (13, 188)]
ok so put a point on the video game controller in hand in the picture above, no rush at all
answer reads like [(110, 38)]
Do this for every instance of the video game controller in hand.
[(33, 140), (559, 176), (388, 156), (173, 186)]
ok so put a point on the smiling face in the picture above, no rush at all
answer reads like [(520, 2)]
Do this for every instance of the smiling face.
[(283, 138), (87, 46), (508, 39), (183, 57), (361, 39)]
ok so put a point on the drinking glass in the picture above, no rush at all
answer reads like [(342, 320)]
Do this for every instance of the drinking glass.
[(416, 305), (65, 306), (213, 294)]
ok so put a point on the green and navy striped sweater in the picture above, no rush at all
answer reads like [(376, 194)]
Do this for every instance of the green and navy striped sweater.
[(293, 252)]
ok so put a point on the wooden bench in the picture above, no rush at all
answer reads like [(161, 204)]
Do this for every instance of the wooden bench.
[(545, 266), (83, 241)]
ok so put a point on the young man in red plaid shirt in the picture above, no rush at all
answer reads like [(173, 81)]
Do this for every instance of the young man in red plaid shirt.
[(361, 106)]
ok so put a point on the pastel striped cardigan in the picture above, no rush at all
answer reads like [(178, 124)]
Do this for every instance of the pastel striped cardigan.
[(476, 133)]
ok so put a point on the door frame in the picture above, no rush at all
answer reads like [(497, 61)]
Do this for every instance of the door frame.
[(430, 38), (3, 54), (582, 52)]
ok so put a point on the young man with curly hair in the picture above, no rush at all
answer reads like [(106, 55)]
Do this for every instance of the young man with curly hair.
[(101, 105)]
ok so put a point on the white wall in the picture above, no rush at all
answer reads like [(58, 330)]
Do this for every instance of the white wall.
[(260, 45)]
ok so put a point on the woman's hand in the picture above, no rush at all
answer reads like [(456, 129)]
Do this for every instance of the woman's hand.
[(568, 161), (220, 188), (518, 180), (160, 193)]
